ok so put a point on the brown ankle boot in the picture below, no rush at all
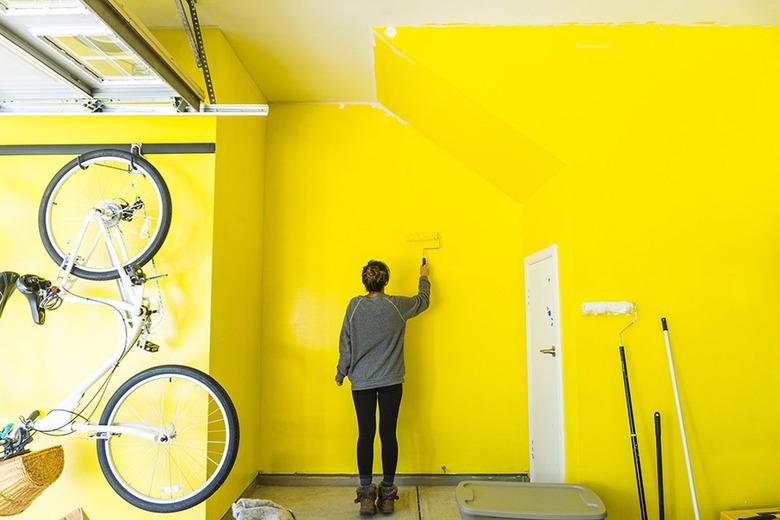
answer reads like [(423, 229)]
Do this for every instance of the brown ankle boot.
[(387, 497), (366, 496)]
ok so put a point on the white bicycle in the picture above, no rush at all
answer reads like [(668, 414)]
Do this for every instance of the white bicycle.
[(168, 437)]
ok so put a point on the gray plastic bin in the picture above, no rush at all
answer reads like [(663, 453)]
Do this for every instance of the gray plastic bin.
[(481, 500)]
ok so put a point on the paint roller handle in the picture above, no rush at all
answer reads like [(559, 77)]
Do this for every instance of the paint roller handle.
[(663, 324), (423, 261)]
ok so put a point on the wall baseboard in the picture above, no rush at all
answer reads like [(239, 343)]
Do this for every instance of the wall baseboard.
[(303, 480)]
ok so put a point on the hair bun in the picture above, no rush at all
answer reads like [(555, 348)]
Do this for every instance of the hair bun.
[(375, 275)]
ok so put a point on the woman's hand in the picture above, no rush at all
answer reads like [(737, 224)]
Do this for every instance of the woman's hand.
[(424, 269)]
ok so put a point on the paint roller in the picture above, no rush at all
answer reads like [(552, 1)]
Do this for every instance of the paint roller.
[(431, 240), (618, 309)]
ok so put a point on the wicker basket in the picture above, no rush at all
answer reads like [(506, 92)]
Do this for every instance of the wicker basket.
[(24, 477)]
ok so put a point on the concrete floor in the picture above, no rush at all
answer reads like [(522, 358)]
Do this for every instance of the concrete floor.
[(337, 502), (332, 498)]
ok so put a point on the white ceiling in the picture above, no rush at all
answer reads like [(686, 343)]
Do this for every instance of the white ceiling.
[(321, 50)]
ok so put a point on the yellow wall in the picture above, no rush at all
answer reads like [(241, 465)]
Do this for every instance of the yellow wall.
[(348, 184), (235, 280), (668, 199), (670, 202), (460, 125)]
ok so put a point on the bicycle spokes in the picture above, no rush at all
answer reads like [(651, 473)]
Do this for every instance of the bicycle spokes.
[(127, 206), (193, 445)]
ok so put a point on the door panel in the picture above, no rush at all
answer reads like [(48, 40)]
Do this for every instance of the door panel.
[(544, 350)]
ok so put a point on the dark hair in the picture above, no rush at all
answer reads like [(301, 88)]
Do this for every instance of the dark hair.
[(375, 276)]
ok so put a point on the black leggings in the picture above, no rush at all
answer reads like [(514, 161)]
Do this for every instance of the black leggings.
[(389, 398)]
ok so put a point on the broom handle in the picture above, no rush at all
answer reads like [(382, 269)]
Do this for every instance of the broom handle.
[(680, 419)]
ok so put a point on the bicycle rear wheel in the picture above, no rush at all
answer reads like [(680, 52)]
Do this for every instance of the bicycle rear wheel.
[(132, 201), (197, 439)]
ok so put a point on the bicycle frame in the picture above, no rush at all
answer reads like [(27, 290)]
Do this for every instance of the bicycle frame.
[(135, 320)]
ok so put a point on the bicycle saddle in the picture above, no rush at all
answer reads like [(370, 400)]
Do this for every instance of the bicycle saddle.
[(32, 287), (7, 286)]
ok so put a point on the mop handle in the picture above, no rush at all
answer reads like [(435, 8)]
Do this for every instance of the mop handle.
[(680, 419), (659, 460)]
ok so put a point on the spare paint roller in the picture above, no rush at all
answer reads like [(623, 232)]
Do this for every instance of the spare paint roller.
[(432, 240), (616, 309), (613, 308)]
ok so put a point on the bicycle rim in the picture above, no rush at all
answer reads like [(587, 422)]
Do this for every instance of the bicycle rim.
[(199, 439), (134, 205)]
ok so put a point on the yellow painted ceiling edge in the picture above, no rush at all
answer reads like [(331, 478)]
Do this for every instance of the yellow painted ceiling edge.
[(457, 123)]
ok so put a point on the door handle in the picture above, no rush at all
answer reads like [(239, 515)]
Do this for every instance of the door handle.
[(550, 351)]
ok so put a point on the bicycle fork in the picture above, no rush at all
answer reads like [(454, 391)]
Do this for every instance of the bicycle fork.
[(144, 431)]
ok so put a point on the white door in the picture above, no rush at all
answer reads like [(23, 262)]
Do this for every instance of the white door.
[(543, 343)]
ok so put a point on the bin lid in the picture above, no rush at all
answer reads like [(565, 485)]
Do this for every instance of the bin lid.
[(529, 501)]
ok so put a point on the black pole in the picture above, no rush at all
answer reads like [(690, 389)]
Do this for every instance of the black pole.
[(660, 466), (634, 446)]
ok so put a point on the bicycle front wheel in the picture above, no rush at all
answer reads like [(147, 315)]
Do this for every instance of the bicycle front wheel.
[(121, 189), (196, 438)]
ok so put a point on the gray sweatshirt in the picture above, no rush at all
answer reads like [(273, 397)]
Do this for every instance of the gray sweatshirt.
[(371, 345)]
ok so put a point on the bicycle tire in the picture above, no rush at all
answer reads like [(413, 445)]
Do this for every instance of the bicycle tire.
[(134, 202), (183, 469)]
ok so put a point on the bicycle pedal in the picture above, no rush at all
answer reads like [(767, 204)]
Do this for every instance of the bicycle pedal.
[(136, 274), (151, 347)]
